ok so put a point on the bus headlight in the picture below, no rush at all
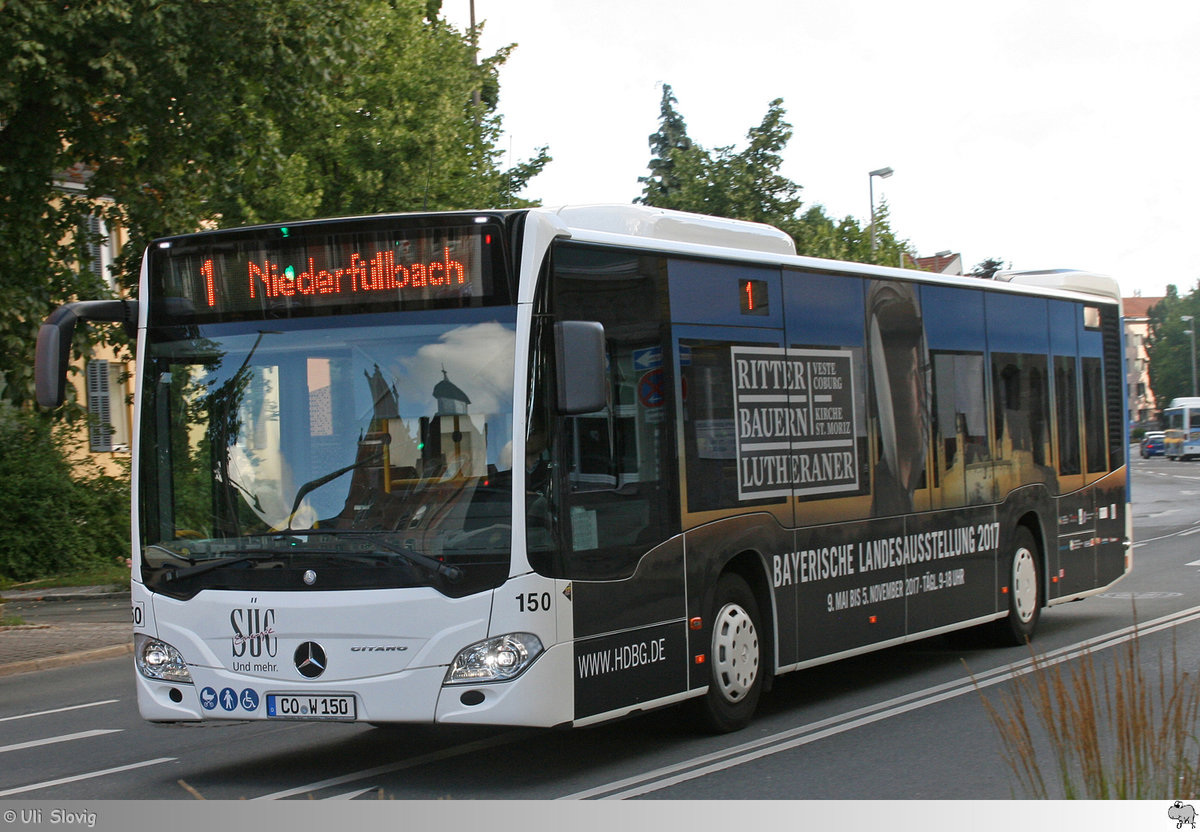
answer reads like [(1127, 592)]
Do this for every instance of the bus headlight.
[(495, 660), (159, 660)]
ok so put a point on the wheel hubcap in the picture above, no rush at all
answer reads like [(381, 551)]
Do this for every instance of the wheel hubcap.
[(735, 652), (1024, 585)]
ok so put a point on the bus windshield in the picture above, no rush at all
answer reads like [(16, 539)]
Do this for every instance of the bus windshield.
[(335, 452)]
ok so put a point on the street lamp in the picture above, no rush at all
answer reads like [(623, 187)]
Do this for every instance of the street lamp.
[(882, 173), (1191, 332)]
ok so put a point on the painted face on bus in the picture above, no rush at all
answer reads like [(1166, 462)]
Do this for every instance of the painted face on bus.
[(908, 393), (899, 373)]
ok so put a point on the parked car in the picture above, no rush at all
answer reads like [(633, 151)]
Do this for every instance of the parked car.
[(1152, 443)]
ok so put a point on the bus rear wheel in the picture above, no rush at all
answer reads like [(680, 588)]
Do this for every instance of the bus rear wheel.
[(735, 658), (1024, 591)]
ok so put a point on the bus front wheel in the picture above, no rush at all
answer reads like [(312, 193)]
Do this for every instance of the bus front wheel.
[(735, 658), (1024, 591)]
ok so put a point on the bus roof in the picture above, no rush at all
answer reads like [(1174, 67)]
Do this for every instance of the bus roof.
[(687, 229), (1067, 279), (677, 226)]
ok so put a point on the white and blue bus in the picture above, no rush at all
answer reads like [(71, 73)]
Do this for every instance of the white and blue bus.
[(551, 467), (1181, 435)]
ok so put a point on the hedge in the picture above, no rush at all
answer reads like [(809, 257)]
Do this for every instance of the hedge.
[(55, 517)]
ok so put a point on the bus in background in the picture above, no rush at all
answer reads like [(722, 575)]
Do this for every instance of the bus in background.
[(555, 466), (1182, 422)]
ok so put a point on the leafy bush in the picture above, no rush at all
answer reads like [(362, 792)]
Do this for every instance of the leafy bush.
[(58, 516)]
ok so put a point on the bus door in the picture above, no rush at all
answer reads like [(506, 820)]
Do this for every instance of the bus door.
[(734, 387), (1176, 430), (610, 491), (842, 603)]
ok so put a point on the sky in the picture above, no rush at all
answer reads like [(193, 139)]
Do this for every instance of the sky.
[(1044, 133)]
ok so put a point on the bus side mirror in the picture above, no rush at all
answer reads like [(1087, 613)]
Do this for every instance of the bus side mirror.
[(54, 342), (582, 377)]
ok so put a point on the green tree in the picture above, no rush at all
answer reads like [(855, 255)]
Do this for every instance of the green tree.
[(819, 235), (182, 114), (402, 134), (747, 184), (987, 269), (676, 160), (1169, 347), (148, 101), (725, 182)]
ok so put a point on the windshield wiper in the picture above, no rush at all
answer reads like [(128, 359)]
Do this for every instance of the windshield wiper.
[(242, 556), (432, 565), (312, 485)]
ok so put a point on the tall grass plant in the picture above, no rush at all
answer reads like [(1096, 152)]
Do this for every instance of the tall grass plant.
[(1096, 730)]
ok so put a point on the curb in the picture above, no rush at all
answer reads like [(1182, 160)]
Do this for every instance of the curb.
[(66, 660)]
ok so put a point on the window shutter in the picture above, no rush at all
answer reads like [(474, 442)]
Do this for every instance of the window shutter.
[(98, 405), (95, 242)]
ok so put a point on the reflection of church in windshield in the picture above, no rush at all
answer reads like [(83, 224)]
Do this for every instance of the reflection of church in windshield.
[(396, 458), (457, 444)]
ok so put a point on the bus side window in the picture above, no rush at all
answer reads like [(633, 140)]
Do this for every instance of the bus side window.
[(1018, 341), (1020, 400), (1067, 406), (1093, 415), (962, 446), (960, 429)]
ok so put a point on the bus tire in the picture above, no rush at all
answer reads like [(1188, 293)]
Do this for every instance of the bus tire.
[(735, 659), (1024, 592)]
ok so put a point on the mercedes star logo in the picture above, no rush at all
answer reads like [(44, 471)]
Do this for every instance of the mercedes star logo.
[(310, 659)]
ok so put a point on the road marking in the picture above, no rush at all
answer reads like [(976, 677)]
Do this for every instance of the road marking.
[(60, 710), (82, 735), (45, 784), (1137, 544), (431, 757), (1157, 514), (352, 795), (666, 776)]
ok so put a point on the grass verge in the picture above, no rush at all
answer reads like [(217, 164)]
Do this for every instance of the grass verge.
[(116, 575)]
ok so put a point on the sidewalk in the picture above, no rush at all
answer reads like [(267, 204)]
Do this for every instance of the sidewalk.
[(31, 647)]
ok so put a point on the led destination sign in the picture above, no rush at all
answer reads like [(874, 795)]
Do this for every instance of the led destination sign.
[(379, 274), (303, 270)]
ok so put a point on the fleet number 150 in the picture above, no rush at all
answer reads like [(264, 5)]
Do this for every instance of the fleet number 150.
[(533, 601)]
